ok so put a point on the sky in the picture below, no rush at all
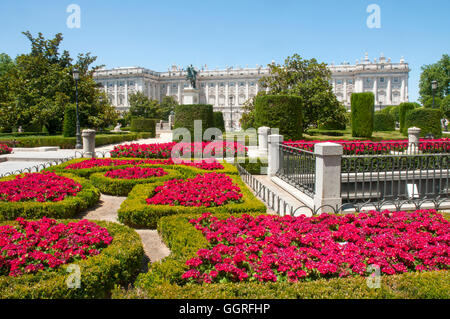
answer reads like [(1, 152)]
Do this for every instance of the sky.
[(157, 34)]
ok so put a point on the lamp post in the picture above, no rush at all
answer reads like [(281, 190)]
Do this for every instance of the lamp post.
[(76, 77), (433, 89), (231, 113)]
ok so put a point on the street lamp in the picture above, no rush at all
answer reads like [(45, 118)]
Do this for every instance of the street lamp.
[(433, 89), (231, 113), (76, 77)]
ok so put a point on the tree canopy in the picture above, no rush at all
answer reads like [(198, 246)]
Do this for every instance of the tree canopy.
[(439, 72), (36, 89)]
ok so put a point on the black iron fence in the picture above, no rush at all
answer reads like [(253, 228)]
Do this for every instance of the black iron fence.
[(395, 177), (298, 168)]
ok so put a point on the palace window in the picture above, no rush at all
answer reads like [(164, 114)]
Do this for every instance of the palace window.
[(381, 80), (339, 81), (252, 83), (350, 81), (211, 85), (242, 84), (203, 85), (131, 83), (222, 84), (185, 85), (395, 80), (231, 84), (174, 85)]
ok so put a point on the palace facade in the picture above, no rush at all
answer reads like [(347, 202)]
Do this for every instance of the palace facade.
[(228, 89)]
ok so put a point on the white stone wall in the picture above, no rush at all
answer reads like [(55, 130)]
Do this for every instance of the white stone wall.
[(228, 89)]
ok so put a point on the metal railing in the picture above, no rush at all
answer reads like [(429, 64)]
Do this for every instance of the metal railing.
[(298, 168), (38, 167), (372, 178)]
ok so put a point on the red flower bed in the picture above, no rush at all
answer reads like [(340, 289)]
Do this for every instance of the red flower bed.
[(207, 190), (273, 248), (383, 147), (45, 244), (5, 149), (39, 187), (136, 172), (164, 150), (204, 164)]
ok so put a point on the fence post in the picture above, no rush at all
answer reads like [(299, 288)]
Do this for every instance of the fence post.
[(263, 134), (328, 176), (413, 140), (274, 154), (88, 143)]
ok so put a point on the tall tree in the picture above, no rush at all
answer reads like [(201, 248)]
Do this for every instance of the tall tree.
[(440, 72), (167, 106), (41, 85), (309, 80), (142, 106), (6, 63)]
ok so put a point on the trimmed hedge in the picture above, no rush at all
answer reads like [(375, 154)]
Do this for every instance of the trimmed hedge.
[(69, 142), (121, 187), (280, 111), (185, 115), (362, 114), (403, 109), (428, 120), (218, 121), (140, 124), (117, 264), (70, 121), (332, 124), (163, 280), (258, 168), (135, 211), (383, 122), (393, 110), (67, 208)]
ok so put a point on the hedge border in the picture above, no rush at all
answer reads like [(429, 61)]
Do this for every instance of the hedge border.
[(86, 172), (164, 277), (121, 187), (67, 208), (117, 264), (135, 211)]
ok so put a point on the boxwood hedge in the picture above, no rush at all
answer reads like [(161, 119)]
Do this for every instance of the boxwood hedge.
[(185, 115), (362, 114), (428, 120), (164, 277), (404, 108), (121, 187), (135, 211), (383, 122), (68, 207), (117, 264)]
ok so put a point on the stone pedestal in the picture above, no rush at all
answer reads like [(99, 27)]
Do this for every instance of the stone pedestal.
[(190, 96), (274, 154), (171, 120), (263, 134), (413, 140), (328, 176), (88, 143)]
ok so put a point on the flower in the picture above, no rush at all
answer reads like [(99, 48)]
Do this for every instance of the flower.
[(136, 172), (5, 149)]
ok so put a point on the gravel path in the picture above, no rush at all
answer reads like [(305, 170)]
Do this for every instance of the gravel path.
[(107, 208)]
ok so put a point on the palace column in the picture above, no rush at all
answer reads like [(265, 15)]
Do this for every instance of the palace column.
[(216, 101), (247, 90), (389, 92), (180, 99), (126, 93), (115, 100), (344, 86), (375, 90), (402, 91)]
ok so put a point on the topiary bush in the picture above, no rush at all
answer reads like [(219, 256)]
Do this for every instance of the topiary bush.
[(117, 264), (383, 122), (185, 115), (428, 120), (140, 124), (70, 121), (280, 111), (393, 110), (218, 121), (403, 109), (362, 114)]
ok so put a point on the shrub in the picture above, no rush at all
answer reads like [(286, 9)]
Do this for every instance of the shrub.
[(66, 208), (218, 121), (403, 109), (428, 120), (258, 168), (121, 187), (362, 114), (393, 110), (445, 107), (135, 211), (185, 115), (280, 111), (116, 264), (140, 124), (70, 121), (332, 124), (383, 122)]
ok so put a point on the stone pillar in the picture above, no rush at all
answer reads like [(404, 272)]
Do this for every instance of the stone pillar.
[(274, 154), (413, 140), (88, 143), (263, 133), (328, 177)]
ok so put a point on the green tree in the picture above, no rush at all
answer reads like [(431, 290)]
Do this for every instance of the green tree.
[(308, 80), (167, 106), (445, 107), (440, 72), (6, 63), (41, 85), (142, 106)]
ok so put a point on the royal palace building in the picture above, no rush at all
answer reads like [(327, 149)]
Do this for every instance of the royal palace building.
[(228, 89)]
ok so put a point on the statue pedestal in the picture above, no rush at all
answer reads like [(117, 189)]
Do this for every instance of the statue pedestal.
[(191, 96)]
